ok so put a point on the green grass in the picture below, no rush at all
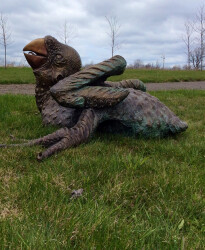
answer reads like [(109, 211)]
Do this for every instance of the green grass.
[(25, 75), (137, 193), (16, 75), (157, 75)]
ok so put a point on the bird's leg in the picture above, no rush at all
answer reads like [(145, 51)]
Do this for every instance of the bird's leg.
[(13, 138), (131, 83), (74, 136), (46, 141), (64, 137)]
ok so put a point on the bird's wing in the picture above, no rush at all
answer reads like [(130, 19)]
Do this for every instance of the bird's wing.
[(91, 75), (82, 90), (92, 97)]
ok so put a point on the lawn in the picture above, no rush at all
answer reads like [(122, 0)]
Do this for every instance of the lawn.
[(16, 75), (25, 75), (138, 194), (159, 75)]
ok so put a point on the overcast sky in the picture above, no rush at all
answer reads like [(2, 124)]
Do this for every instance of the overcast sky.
[(149, 28)]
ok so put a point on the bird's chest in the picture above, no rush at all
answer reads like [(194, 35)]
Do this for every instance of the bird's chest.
[(55, 114)]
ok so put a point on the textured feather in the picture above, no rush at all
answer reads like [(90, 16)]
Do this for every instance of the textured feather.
[(92, 97), (90, 76), (129, 84)]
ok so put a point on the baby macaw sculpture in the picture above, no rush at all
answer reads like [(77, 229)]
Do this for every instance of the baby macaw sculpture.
[(80, 100)]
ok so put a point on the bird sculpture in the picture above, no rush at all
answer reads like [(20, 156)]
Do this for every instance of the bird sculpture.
[(79, 101)]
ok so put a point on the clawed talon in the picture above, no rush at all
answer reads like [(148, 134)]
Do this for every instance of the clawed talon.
[(73, 136), (64, 138), (39, 156)]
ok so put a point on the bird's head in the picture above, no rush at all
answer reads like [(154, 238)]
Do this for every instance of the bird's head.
[(51, 60)]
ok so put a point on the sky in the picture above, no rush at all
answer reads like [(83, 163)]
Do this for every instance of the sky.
[(149, 29)]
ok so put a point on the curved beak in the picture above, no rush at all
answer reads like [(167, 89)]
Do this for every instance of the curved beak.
[(37, 55)]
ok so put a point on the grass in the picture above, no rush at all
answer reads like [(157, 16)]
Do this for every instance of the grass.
[(16, 75), (137, 193), (25, 75), (159, 75)]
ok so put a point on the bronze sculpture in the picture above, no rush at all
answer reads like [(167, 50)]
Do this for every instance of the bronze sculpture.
[(81, 100)]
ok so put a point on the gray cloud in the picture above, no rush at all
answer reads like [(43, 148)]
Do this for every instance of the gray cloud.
[(149, 28)]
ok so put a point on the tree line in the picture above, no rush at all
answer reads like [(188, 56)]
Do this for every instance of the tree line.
[(66, 34), (193, 38)]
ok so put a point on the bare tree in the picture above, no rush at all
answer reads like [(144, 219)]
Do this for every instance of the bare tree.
[(199, 27), (114, 28), (195, 58), (188, 40), (68, 33), (5, 35)]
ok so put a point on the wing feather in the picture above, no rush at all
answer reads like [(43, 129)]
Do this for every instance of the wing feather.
[(93, 74), (81, 89), (93, 97)]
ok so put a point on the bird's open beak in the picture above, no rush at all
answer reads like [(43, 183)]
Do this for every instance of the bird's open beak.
[(37, 55)]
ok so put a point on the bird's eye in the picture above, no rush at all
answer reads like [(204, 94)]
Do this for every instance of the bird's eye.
[(59, 56)]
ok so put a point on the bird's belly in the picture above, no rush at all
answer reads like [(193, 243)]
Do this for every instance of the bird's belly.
[(54, 114), (144, 114)]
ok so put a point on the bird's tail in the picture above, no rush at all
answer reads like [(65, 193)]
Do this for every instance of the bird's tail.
[(177, 126)]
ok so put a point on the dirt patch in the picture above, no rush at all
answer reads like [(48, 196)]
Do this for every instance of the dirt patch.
[(29, 89), (25, 89)]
